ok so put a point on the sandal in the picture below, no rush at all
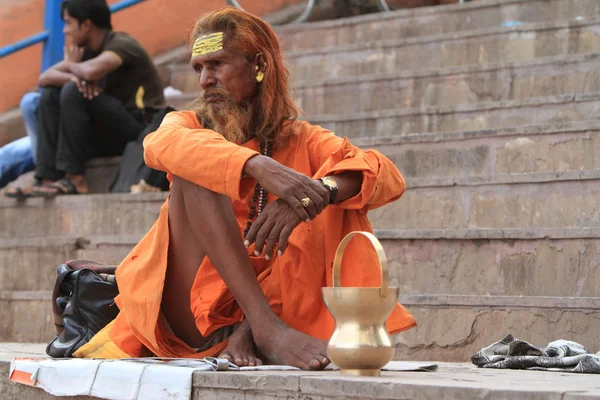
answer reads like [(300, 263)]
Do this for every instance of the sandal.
[(62, 187), (21, 194)]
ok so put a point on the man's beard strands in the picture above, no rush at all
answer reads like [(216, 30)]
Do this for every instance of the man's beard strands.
[(225, 117)]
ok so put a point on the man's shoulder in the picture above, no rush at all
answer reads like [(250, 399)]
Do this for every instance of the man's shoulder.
[(122, 39)]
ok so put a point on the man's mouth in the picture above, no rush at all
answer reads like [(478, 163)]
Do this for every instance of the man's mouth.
[(213, 98)]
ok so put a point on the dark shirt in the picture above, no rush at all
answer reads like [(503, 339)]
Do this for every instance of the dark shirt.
[(137, 71)]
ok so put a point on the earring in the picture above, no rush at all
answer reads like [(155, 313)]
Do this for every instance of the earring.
[(260, 77)]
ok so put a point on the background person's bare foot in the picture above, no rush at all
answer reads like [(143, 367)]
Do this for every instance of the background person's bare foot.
[(241, 349), (283, 345)]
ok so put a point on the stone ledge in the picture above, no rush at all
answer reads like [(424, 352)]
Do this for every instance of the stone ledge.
[(460, 108), (397, 14), (445, 37), (501, 302), (451, 381), (489, 234), (504, 179), (561, 60), (452, 136), (421, 300)]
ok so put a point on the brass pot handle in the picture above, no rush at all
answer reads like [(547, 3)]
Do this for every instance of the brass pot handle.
[(339, 254)]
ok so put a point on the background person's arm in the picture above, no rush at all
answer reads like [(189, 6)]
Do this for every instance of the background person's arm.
[(97, 68)]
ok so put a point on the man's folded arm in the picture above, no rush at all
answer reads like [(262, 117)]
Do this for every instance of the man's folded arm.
[(382, 182), (201, 156)]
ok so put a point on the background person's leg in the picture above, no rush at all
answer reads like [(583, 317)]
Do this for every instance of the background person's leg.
[(47, 146), (92, 128), (15, 160), (30, 104)]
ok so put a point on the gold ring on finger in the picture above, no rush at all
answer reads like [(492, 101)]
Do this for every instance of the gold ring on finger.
[(306, 202)]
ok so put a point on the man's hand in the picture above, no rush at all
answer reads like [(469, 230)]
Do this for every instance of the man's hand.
[(73, 53), (89, 90), (289, 185), (274, 225)]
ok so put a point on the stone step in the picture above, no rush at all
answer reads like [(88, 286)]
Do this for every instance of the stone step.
[(566, 199), (428, 21), (527, 201), (485, 46), (451, 328), (451, 381), (548, 76), (558, 147), (526, 262), (507, 262), (475, 116), (99, 174), (26, 316), (11, 126), (40, 257), (552, 76), (80, 215)]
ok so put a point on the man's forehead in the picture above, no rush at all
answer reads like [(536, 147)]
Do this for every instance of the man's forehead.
[(208, 44)]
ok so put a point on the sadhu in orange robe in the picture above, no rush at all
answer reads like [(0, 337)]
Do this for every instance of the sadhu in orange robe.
[(292, 283)]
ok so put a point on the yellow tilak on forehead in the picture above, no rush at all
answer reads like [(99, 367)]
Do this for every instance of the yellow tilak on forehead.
[(208, 44)]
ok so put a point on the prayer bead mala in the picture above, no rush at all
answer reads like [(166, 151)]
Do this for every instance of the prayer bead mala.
[(260, 193)]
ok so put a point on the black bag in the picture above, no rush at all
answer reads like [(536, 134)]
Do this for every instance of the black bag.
[(85, 302), (133, 169)]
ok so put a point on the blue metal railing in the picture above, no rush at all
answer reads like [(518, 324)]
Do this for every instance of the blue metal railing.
[(52, 36)]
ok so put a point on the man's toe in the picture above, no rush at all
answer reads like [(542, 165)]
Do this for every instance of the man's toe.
[(314, 364)]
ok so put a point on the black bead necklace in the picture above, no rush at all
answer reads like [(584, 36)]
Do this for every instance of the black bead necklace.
[(260, 193)]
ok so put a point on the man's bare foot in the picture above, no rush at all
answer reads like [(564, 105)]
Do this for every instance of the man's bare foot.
[(283, 345), (241, 350)]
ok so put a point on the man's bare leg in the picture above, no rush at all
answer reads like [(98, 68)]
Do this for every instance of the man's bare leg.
[(214, 232)]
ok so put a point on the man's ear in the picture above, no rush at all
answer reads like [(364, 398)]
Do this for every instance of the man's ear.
[(86, 25), (260, 62)]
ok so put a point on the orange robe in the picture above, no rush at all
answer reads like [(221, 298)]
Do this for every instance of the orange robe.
[(292, 283)]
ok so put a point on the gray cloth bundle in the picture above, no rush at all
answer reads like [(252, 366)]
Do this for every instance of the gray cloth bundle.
[(561, 355)]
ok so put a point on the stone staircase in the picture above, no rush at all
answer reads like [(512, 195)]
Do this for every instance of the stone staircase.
[(495, 129)]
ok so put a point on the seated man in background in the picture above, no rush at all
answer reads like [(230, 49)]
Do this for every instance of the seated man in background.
[(95, 101), (259, 203), (18, 157)]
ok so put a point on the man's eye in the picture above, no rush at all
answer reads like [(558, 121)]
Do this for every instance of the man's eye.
[(217, 63)]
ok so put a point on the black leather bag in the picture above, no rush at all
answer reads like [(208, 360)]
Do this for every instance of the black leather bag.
[(85, 302)]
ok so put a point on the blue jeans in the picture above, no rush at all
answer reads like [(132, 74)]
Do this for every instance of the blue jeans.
[(18, 157)]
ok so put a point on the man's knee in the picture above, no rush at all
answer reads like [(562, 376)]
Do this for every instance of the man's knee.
[(49, 95), (70, 93), (30, 103)]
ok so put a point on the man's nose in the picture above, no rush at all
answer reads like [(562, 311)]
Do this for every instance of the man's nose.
[(207, 79)]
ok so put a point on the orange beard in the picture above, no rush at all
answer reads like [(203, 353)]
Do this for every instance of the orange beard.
[(225, 117)]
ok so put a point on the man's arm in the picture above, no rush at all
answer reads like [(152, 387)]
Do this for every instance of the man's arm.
[(57, 75), (97, 68)]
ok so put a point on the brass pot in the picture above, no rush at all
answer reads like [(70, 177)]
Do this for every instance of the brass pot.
[(360, 344)]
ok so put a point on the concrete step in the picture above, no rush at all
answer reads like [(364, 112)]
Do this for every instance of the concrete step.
[(548, 76), (527, 201), (80, 215), (40, 257), (552, 76), (453, 328), (428, 21), (482, 262), (100, 174), (11, 126), (26, 316), (485, 46), (558, 147), (475, 116), (451, 381), (566, 199)]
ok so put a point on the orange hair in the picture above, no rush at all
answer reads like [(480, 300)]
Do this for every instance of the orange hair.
[(249, 36)]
